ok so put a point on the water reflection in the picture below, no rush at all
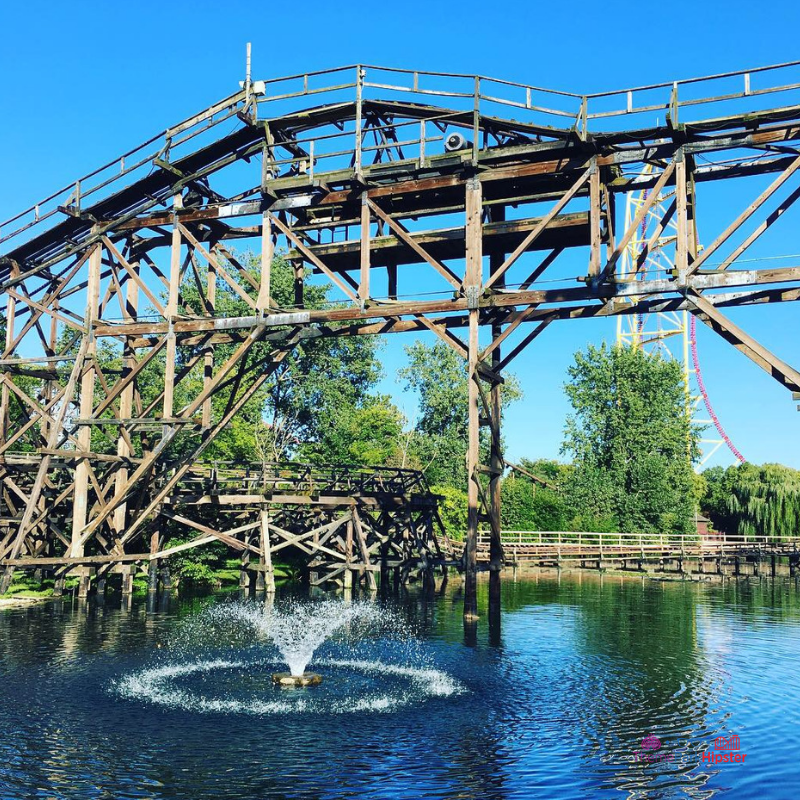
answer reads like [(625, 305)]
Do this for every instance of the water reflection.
[(565, 678)]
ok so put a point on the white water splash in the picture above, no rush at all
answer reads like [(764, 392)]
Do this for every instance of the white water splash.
[(157, 685), (297, 630)]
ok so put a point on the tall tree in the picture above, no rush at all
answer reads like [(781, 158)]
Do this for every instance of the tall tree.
[(438, 375), (632, 441)]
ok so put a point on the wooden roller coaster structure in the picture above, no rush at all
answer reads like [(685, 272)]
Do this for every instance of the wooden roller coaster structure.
[(424, 204)]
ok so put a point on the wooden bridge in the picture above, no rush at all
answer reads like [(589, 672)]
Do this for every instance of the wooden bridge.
[(716, 553), (343, 523)]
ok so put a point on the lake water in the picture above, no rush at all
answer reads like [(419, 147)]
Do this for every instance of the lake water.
[(97, 701)]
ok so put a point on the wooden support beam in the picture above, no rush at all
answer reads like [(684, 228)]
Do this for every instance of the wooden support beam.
[(363, 284), (362, 546), (472, 282), (80, 501), (756, 352), (402, 234), (172, 312), (595, 216), (746, 214), (267, 253)]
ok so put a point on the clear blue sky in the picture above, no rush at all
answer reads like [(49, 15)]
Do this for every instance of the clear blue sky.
[(81, 82)]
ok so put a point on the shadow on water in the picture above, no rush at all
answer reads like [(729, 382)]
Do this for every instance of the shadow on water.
[(563, 681)]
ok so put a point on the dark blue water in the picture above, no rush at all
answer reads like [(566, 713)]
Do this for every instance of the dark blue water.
[(556, 706)]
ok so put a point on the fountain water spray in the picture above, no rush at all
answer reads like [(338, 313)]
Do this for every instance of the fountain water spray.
[(298, 629), (223, 663)]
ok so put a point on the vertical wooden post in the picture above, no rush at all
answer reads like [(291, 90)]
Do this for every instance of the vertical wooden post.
[(127, 580), (126, 399), (266, 553), (595, 213), (391, 274), (152, 567), (267, 252), (50, 386), (244, 564), (172, 311), (363, 286), (362, 544), (681, 221), (81, 494), (497, 464), (472, 287), (208, 355), (348, 572), (359, 109), (4, 392), (299, 280)]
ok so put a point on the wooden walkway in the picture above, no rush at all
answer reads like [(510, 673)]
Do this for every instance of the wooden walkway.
[(717, 553)]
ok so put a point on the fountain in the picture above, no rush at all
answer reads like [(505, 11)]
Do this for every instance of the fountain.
[(371, 661)]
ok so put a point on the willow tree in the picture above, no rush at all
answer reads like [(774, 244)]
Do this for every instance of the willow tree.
[(632, 442), (752, 500)]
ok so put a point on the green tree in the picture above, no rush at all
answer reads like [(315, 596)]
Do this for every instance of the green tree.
[(369, 435), (750, 500), (452, 510), (632, 441), (527, 506), (321, 381), (438, 375)]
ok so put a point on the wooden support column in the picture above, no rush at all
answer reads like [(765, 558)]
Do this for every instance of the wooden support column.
[(172, 311), (126, 399), (595, 214), (266, 554), (152, 567), (364, 549), (363, 285), (127, 579), (244, 566), (267, 253), (9, 344), (497, 462), (472, 287), (299, 281), (84, 437), (208, 355), (348, 572), (681, 218)]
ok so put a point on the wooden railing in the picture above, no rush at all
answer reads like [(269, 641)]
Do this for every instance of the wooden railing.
[(226, 477), (572, 542)]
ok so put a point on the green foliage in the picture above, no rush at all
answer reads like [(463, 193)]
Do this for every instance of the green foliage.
[(368, 435), (632, 441), (748, 500), (198, 566), (319, 382), (526, 506), (438, 375), (452, 510)]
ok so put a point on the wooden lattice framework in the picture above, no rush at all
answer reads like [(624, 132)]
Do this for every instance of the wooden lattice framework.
[(425, 206)]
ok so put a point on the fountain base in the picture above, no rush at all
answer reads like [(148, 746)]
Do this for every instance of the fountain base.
[(287, 679)]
